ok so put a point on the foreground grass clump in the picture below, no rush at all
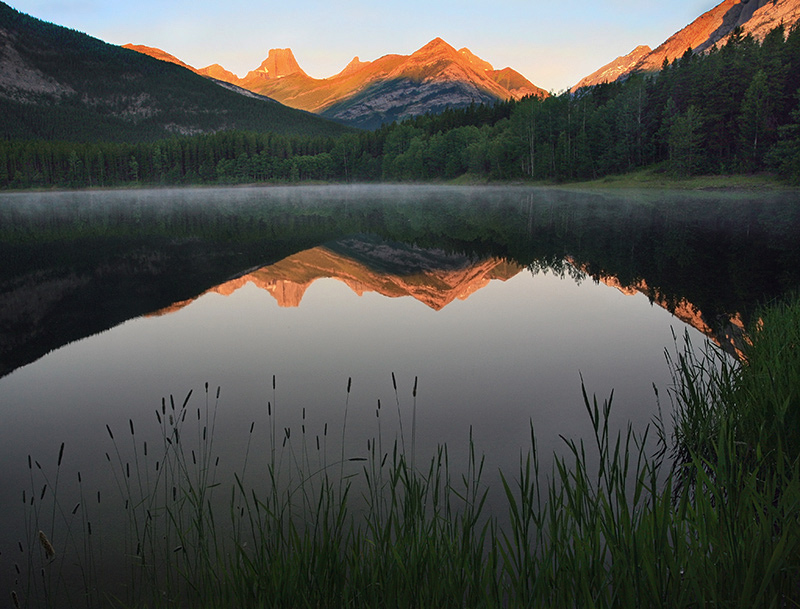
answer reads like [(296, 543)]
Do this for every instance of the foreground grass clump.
[(753, 409), (708, 516)]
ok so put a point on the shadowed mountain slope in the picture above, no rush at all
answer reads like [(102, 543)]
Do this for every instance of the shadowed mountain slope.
[(56, 83)]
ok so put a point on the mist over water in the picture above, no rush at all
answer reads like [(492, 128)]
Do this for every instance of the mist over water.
[(115, 300)]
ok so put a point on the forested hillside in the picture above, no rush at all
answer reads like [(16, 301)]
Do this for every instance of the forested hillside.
[(733, 110), (56, 83)]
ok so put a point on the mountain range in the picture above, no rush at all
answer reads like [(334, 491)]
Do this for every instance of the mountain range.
[(59, 84), (367, 94), (56, 83), (715, 27)]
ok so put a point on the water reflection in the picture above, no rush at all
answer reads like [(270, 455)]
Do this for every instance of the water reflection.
[(434, 278), (499, 302), (80, 263), (728, 333), (368, 264)]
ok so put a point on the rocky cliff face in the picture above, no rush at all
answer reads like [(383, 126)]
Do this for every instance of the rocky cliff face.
[(610, 72), (771, 14), (369, 93), (279, 63), (21, 79), (755, 17)]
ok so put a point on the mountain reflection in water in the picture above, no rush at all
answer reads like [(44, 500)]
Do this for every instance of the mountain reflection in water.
[(80, 263), (432, 276), (367, 264), (498, 302)]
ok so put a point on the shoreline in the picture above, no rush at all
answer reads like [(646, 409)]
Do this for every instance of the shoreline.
[(644, 179)]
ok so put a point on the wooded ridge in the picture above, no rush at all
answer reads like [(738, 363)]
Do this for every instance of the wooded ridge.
[(735, 109)]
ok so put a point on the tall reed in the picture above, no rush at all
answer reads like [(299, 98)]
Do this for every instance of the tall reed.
[(51, 575), (706, 515)]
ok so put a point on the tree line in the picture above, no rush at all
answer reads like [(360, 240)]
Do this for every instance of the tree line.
[(735, 109)]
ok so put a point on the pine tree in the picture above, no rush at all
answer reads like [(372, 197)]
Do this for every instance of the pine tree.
[(753, 122), (3, 167), (685, 139), (784, 157), (133, 169)]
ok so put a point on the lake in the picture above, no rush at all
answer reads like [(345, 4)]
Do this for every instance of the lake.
[(487, 307)]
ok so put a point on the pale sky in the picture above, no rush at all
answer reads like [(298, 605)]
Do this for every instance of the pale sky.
[(553, 43)]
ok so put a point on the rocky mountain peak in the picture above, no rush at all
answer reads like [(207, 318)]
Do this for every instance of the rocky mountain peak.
[(354, 66), (437, 43), (435, 48), (217, 72), (475, 61), (279, 63), (714, 27)]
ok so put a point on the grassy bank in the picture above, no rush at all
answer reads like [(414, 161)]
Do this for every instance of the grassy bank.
[(652, 177), (657, 177), (705, 517)]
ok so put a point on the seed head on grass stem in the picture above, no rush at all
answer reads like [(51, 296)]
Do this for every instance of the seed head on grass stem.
[(344, 429), (399, 414), (49, 550), (414, 423)]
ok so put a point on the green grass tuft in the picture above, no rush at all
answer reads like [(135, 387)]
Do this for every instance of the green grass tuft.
[(705, 518)]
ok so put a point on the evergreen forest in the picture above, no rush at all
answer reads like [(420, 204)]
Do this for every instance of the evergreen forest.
[(735, 109)]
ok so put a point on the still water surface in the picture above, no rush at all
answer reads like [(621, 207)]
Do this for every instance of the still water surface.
[(495, 302)]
